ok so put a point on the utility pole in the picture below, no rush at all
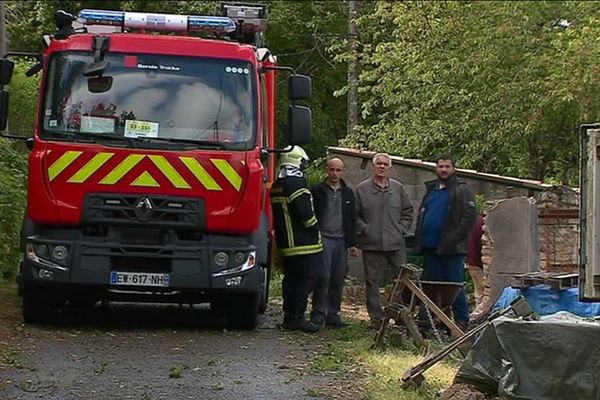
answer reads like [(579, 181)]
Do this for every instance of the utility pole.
[(3, 40), (352, 67)]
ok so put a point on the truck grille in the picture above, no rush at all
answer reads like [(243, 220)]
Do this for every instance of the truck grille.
[(147, 211)]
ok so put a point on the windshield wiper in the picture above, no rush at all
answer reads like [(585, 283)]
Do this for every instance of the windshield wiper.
[(78, 135), (209, 144)]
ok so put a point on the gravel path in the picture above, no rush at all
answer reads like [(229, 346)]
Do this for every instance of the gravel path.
[(157, 352)]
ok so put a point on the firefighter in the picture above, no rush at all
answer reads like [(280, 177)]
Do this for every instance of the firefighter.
[(297, 236)]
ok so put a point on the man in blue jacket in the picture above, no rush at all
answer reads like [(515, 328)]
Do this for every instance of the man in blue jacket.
[(336, 214), (446, 216)]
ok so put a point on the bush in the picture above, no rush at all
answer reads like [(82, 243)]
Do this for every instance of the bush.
[(13, 167), (13, 178)]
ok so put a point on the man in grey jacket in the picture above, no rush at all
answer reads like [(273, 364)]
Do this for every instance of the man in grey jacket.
[(385, 214)]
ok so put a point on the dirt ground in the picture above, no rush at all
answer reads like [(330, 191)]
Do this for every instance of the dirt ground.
[(153, 352)]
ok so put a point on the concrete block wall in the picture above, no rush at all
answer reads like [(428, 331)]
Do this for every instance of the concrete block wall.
[(509, 246)]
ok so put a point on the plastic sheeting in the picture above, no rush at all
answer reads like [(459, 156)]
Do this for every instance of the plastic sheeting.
[(544, 300), (555, 358)]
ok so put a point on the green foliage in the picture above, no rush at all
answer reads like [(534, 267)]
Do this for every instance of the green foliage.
[(317, 171), (302, 35), (498, 84), (13, 178), (24, 96), (13, 166)]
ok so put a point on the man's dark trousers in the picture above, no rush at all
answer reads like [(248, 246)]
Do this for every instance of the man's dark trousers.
[(329, 282), (448, 268), (297, 280)]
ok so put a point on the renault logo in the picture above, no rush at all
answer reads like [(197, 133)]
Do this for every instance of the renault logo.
[(143, 208)]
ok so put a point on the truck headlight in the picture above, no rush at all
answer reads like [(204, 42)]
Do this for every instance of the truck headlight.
[(41, 250), (40, 254), (60, 253), (221, 259), (239, 258), (249, 262)]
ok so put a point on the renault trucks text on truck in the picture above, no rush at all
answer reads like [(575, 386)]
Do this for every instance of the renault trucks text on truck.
[(151, 161)]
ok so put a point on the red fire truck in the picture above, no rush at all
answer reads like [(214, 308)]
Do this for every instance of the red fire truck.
[(151, 161)]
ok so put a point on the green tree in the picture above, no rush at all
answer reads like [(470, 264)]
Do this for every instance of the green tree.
[(501, 85)]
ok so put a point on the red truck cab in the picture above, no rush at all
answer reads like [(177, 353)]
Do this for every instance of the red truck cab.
[(151, 164)]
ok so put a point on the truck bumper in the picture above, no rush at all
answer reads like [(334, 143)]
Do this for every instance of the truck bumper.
[(196, 270)]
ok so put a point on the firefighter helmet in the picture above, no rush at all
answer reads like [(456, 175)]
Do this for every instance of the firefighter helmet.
[(296, 157)]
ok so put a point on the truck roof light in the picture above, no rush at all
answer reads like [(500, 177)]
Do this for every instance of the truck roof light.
[(210, 24), (155, 21), (101, 17)]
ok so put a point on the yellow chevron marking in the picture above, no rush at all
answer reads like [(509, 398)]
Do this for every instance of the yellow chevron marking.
[(228, 172), (120, 170), (200, 173), (62, 163), (92, 166), (145, 179), (167, 169)]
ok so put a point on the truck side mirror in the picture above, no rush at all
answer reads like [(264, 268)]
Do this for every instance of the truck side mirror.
[(299, 124), (3, 109), (299, 87), (6, 70)]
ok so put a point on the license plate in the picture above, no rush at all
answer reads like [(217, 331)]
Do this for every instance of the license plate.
[(139, 279)]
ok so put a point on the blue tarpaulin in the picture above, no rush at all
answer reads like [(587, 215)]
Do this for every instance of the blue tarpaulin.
[(544, 300)]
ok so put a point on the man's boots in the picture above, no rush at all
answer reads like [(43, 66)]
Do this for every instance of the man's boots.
[(298, 323)]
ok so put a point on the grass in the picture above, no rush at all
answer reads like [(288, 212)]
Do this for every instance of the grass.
[(348, 350), (275, 283)]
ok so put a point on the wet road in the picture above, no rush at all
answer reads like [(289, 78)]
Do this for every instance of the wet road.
[(159, 352)]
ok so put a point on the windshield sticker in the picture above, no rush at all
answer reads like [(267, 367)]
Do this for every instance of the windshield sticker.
[(48, 112), (158, 67), (53, 123), (135, 129), (97, 124), (236, 70)]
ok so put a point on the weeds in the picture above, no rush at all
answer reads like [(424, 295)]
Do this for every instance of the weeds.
[(348, 349)]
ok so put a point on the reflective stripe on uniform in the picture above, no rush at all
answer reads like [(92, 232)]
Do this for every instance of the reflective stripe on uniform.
[(302, 250), (286, 217), (299, 193), (310, 222)]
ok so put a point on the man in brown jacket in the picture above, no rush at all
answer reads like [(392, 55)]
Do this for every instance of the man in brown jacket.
[(385, 214)]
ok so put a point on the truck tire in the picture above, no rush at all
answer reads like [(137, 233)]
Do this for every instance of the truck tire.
[(243, 311), (35, 305), (264, 296)]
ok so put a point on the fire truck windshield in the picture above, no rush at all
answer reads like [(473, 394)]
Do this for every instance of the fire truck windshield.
[(151, 97)]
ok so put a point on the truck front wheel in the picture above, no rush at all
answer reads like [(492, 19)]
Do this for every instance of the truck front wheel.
[(35, 305), (242, 312), (264, 296)]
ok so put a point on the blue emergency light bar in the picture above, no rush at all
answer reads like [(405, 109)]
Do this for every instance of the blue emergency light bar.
[(153, 21)]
